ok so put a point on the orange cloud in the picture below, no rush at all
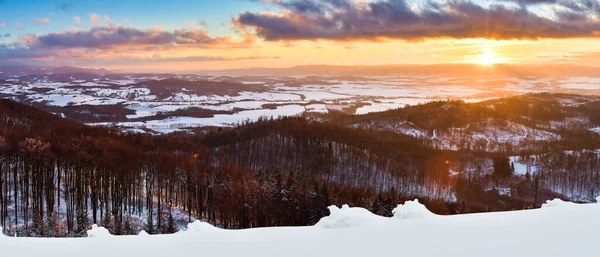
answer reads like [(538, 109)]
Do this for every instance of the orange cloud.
[(93, 18), (43, 21)]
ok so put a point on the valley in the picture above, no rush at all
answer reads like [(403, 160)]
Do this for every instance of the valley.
[(164, 103), (154, 152)]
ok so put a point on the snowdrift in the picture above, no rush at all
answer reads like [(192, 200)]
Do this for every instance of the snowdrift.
[(347, 217), (558, 229)]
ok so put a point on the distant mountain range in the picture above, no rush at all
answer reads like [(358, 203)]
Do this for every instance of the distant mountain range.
[(437, 69), (359, 70)]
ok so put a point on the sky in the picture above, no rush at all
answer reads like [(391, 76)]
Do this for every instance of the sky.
[(178, 35)]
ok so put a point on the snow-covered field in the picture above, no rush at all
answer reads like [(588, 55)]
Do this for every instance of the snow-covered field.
[(176, 123), (276, 96), (557, 229), (523, 166)]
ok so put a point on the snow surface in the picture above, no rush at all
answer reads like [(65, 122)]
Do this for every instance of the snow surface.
[(176, 123), (586, 83), (523, 166), (374, 94), (557, 229)]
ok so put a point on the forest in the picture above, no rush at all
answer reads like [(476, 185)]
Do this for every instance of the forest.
[(58, 176)]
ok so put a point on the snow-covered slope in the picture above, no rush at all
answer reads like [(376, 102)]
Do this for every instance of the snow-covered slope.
[(557, 229)]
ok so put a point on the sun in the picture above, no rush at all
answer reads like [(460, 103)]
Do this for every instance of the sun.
[(489, 59), (486, 59)]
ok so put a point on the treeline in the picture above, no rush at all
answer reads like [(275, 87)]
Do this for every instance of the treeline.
[(575, 174), (57, 177), (337, 155), (563, 120)]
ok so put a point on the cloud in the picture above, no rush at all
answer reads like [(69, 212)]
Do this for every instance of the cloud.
[(104, 37), (2, 24), (107, 19), (18, 25), (532, 2), (5, 35), (397, 19), (113, 41), (94, 18), (77, 19), (581, 6), (12, 52), (43, 21)]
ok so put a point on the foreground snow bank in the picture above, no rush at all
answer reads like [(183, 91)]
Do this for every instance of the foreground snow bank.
[(412, 210), (98, 232), (558, 229), (347, 217)]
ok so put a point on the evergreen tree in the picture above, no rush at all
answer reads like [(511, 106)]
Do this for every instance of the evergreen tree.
[(149, 227), (53, 225), (502, 167), (127, 228), (318, 204), (388, 206), (118, 227), (82, 223), (376, 206), (38, 228), (107, 222), (171, 226)]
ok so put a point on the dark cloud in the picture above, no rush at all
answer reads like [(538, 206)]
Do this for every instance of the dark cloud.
[(112, 41), (396, 19), (116, 36), (5, 35), (10, 51), (308, 6), (532, 2), (581, 6), (300, 6)]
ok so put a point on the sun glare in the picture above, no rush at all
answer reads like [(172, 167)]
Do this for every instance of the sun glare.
[(488, 59)]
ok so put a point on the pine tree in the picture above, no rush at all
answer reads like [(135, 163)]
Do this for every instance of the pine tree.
[(127, 228), (118, 226), (53, 226), (318, 204), (107, 222), (376, 206), (502, 167), (149, 227), (38, 228), (171, 226), (388, 206), (82, 223)]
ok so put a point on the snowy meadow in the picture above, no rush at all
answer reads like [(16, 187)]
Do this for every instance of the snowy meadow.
[(557, 229)]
